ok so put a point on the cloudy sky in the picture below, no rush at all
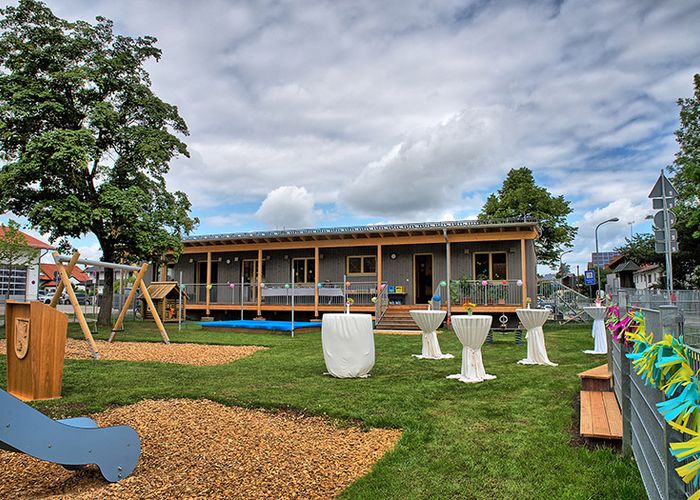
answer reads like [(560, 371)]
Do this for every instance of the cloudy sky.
[(335, 113)]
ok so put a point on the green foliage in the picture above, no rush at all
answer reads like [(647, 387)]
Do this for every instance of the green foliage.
[(686, 178), (15, 252), (505, 438), (640, 250), (86, 143), (519, 196)]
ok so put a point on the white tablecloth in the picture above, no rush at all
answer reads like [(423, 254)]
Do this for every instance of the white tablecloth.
[(348, 344), (471, 332), (428, 322), (600, 343), (533, 319)]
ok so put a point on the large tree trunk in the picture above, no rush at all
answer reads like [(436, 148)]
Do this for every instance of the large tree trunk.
[(105, 315)]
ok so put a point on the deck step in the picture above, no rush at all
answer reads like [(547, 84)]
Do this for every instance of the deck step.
[(398, 318), (596, 379), (600, 415)]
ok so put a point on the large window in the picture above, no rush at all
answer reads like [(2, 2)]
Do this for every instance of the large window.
[(361, 264), (490, 266), (303, 270)]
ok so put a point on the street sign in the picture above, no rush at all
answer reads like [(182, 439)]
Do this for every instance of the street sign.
[(659, 235), (658, 203), (588, 278), (663, 188), (660, 247), (659, 220)]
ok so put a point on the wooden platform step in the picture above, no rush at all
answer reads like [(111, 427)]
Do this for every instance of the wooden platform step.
[(600, 415), (596, 379)]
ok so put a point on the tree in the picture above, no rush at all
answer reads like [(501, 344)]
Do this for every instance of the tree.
[(85, 142), (686, 179), (640, 250), (15, 252), (519, 196)]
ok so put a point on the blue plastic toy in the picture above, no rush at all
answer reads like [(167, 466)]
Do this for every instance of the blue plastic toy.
[(72, 443)]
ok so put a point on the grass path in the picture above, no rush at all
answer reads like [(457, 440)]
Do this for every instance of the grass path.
[(506, 438)]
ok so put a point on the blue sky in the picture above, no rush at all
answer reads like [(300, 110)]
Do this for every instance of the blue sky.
[(336, 113)]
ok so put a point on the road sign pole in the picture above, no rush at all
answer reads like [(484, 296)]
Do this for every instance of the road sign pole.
[(667, 240)]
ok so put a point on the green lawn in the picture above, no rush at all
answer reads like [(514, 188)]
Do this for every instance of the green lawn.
[(506, 438)]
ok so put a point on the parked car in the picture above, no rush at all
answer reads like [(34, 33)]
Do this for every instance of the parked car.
[(83, 298), (43, 297)]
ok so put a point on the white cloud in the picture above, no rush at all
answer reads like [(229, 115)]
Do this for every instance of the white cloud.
[(287, 207), (417, 108)]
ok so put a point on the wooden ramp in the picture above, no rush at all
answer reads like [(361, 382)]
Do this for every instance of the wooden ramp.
[(596, 379), (600, 415)]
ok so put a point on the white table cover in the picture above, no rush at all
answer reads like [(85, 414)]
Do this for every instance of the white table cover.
[(471, 332), (600, 343), (532, 320), (348, 344), (428, 322)]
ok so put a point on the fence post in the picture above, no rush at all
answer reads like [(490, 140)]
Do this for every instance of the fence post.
[(626, 403)]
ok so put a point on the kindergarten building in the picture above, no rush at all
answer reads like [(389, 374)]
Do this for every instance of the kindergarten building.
[(261, 274)]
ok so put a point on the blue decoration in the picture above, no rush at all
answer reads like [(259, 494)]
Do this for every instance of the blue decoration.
[(437, 298)]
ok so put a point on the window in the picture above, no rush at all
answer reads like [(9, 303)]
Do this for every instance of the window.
[(490, 266), (361, 264), (303, 270)]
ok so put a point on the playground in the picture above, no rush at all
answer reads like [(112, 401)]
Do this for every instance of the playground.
[(271, 424)]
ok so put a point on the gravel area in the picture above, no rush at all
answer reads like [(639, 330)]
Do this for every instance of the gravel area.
[(184, 354), (202, 449)]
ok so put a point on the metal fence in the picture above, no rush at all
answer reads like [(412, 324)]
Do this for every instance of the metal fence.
[(687, 301), (486, 292), (645, 432)]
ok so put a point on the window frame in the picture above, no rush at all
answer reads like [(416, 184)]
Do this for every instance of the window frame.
[(490, 254), (307, 267), (362, 265)]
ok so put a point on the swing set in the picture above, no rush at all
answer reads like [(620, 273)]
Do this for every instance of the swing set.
[(65, 284)]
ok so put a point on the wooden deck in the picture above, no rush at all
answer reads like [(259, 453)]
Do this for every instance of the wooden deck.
[(600, 415), (495, 309)]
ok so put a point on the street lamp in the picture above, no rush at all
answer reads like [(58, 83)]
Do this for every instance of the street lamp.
[(614, 219), (561, 260)]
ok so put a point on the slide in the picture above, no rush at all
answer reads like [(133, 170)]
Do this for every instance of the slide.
[(72, 443)]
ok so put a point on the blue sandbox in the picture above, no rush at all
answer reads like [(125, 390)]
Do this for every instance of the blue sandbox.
[(249, 324)]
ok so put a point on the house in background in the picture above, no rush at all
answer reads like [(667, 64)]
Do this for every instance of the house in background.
[(489, 263), (622, 275), (23, 283), (648, 276), (49, 277)]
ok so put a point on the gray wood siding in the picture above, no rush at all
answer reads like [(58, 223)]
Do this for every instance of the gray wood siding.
[(395, 272)]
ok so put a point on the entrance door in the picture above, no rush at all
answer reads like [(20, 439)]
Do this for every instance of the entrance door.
[(249, 271), (201, 280), (423, 278)]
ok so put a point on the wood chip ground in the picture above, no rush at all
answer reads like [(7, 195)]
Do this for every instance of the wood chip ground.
[(202, 449), (184, 354)]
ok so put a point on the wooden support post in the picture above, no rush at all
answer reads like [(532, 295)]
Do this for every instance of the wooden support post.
[(164, 272), (260, 256), (59, 286), (316, 281), (208, 287), (129, 299), (379, 269), (76, 305), (154, 311), (523, 271)]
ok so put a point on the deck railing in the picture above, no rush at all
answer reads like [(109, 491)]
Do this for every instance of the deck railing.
[(485, 292), (329, 293)]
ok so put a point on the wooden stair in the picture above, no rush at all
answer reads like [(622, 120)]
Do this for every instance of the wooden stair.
[(600, 413), (399, 318), (596, 379)]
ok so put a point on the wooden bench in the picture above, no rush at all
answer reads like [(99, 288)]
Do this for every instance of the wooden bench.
[(596, 379), (600, 415)]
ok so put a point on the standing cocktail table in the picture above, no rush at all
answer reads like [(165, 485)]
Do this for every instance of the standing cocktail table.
[(348, 344), (471, 332), (600, 343), (428, 322), (532, 320)]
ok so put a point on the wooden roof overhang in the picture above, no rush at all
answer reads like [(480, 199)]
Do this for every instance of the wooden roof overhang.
[(398, 234)]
